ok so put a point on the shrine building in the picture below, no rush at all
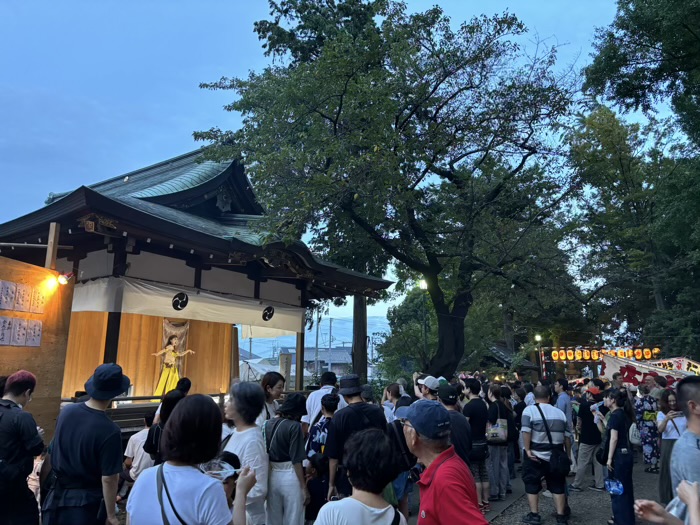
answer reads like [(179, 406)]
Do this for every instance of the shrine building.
[(175, 243)]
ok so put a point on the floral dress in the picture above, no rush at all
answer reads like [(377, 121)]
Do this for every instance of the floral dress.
[(646, 409)]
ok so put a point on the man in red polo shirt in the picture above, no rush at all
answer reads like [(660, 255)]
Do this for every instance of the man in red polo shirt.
[(447, 488)]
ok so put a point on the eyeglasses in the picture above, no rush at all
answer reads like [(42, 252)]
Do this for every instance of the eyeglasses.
[(405, 423)]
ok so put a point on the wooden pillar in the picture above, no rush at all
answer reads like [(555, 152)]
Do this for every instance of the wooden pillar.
[(114, 319), (52, 246), (300, 361), (359, 337), (235, 357)]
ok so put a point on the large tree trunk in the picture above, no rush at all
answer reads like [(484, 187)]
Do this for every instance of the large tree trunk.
[(508, 331), (450, 345), (359, 337)]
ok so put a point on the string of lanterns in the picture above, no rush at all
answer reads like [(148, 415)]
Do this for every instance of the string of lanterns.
[(596, 354)]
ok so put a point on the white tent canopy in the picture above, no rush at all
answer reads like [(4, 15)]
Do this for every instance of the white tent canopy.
[(112, 294), (255, 369)]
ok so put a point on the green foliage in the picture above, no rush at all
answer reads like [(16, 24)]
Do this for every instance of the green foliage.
[(638, 225), (412, 142), (651, 52)]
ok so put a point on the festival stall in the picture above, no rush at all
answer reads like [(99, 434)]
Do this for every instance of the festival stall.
[(634, 372), (587, 361)]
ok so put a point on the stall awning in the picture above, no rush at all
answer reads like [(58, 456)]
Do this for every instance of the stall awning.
[(112, 294)]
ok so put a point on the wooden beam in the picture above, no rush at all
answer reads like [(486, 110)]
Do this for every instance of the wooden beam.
[(299, 383), (235, 357), (52, 246)]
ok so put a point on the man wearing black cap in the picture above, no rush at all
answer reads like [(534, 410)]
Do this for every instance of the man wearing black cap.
[(357, 416), (461, 431), (427, 431), (86, 455)]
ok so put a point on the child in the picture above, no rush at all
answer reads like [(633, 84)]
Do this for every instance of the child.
[(317, 485)]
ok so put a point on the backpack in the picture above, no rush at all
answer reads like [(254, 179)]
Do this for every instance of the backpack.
[(405, 460)]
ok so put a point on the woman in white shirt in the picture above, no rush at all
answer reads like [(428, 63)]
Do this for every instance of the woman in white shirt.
[(369, 461), (177, 490), (671, 424), (244, 405), (272, 384)]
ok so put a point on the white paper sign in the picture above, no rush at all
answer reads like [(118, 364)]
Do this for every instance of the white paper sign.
[(23, 298), (38, 301), (7, 295), (34, 330), (6, 330), (19, 332)]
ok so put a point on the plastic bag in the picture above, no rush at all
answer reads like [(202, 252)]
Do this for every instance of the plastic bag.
[(614, 487)]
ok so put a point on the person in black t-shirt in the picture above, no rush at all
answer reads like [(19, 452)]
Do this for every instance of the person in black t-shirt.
[(589, 442), (476, 411), (86, 455), (357, 416), (620, 457), (460, 430), (20, 440)]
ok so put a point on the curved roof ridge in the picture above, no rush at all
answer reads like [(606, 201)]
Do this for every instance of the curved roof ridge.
[(198, 174)]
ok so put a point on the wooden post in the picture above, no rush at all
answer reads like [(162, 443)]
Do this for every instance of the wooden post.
[(235, 357), (300, 361), (52, 246), (359, 337)]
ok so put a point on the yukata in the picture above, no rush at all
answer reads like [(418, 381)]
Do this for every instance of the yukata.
[(646, 409)]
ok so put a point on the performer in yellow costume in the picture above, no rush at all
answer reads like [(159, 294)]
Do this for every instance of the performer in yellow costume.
[(170, 375)]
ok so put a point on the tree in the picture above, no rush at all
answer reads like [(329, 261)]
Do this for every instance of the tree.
[(636, 226), (411, 132), (651, 52)]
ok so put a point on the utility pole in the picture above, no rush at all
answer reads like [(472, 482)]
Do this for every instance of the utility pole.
[(330, 342), (318, 328), (250, 348)]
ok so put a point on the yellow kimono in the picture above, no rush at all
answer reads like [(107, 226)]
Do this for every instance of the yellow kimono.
[(169, 376)]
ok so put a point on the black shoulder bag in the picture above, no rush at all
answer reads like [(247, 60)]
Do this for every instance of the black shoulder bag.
[(160, 482), (559, 461)]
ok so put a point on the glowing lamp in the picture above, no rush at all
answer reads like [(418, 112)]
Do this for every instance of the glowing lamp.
[(656, 351), (647, 353), (569, 354), (562, 354), (64, 278), (587, 355), (595, 355), (555, 355), (422, 284), (638, 353), (630, 354), (579, 355)]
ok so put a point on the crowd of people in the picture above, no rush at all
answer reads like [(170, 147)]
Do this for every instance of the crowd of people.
[(342, 455)]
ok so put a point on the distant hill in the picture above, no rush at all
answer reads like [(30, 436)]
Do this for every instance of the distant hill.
[(342, 336)]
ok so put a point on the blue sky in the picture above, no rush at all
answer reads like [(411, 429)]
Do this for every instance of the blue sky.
[(91, 89)]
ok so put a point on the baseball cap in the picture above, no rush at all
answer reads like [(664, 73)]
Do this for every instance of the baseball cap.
[(431, 382), (594, 390), (447, 394), (429, 418)]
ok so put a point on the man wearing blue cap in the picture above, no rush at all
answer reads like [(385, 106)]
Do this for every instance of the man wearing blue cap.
[(446, 477), (86, 455)]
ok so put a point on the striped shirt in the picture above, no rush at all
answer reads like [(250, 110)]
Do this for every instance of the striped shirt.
[(534, 425)]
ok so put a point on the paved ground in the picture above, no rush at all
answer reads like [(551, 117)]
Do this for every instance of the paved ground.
[(588, 507)]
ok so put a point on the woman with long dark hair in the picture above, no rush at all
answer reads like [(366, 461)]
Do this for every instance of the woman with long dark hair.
[(498, 451), (272, 384), (620, 458), (671, 424), (152, 444)]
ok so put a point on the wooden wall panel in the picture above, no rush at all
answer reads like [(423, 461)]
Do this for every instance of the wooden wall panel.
[(209, 368), (86, 346), (140, 336), (46, 361)]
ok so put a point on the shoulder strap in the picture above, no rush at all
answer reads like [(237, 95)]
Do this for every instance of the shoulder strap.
[(397, 518), (160, 480), (546, 426), (676, 427), (275, 426)]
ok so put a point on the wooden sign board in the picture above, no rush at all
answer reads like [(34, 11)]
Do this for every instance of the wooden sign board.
[(34, 318)]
